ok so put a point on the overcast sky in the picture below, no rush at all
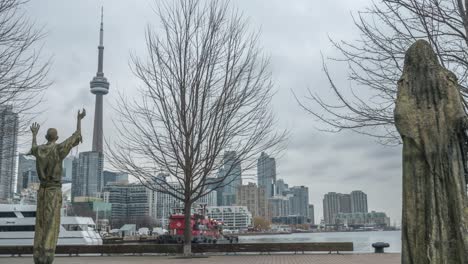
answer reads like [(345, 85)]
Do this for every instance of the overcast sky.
[(293, 33)]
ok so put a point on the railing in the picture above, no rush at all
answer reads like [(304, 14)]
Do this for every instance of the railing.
[(178, 248)]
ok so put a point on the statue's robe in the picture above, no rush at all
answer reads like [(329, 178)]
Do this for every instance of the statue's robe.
[(431, 120), (49, 159)]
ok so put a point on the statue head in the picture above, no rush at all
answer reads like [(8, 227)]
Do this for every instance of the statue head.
[(51, 135)]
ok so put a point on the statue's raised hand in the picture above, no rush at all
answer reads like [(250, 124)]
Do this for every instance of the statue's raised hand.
[(35, 128), (81, 114)]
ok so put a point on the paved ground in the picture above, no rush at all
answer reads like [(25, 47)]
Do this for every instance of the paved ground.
[(239, 259)]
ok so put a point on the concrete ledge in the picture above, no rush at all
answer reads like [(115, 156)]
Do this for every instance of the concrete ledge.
[(196, 248)]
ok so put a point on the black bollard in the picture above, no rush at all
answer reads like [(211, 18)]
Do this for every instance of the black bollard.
[(379, 247)]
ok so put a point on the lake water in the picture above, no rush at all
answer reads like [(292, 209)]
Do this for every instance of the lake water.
[(362, 240)]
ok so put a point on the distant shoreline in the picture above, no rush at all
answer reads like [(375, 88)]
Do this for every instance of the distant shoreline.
[(305, 232)]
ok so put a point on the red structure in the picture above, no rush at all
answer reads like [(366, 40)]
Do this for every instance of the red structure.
[(204, 229)]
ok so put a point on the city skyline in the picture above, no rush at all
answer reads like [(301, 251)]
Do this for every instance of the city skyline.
[(320, 161)]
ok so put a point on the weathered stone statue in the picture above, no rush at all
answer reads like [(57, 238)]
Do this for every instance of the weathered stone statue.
[(49, 159), (431, 120)]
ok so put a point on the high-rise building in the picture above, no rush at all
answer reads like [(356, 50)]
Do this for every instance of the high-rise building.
[(8, 145), (358, 202), (334, 203), (266, 174), (100, 87), (67, 169), (311, 214), (299, 201), (254, 198), (130, 203), (26, 169), (282, 188), (231, 172), (278, 205), (345, 203), (331, 207), (88, 179)]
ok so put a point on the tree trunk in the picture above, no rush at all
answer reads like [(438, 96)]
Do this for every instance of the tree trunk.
[(188, 229), (430, 118)]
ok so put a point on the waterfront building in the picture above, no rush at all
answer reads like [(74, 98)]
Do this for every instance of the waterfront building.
[(282, 188), (233, 217), (88, 177), (130, 203), (8, 143), (26, 172), (231, 170), (358, 202), (334, 203), (331, 207), (299, 201), (360, 219), (254, 199), (278, 205), (345, 203), (311, 214), (266, 174)]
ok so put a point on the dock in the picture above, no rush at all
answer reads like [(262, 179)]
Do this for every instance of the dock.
[(388, 258)]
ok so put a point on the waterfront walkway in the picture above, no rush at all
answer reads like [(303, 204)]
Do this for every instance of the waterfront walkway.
[(390, 258)]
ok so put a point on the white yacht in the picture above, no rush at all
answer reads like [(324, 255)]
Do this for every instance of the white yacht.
[(17, 227)]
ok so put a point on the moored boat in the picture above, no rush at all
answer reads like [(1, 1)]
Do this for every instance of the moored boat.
[(17, 227)]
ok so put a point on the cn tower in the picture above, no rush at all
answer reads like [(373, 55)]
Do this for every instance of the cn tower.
[(99, 86)]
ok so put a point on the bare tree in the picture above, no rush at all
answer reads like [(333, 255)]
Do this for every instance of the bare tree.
[(375, 62), (22, 79), (206, 89), (22, 73)]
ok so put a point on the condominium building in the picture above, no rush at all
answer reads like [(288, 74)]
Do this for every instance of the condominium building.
[(254, 199), (299, 201), (87, 176), (345, 203), (266, 173), (67, 169), (334, 203), (231, 173), (233, 217), (358, 202), (282, 188), (130, 203), (331, 207), (311, 214), (8, 144), (278, 205)]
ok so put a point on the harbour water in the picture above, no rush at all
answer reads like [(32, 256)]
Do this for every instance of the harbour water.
[(362, 240)]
